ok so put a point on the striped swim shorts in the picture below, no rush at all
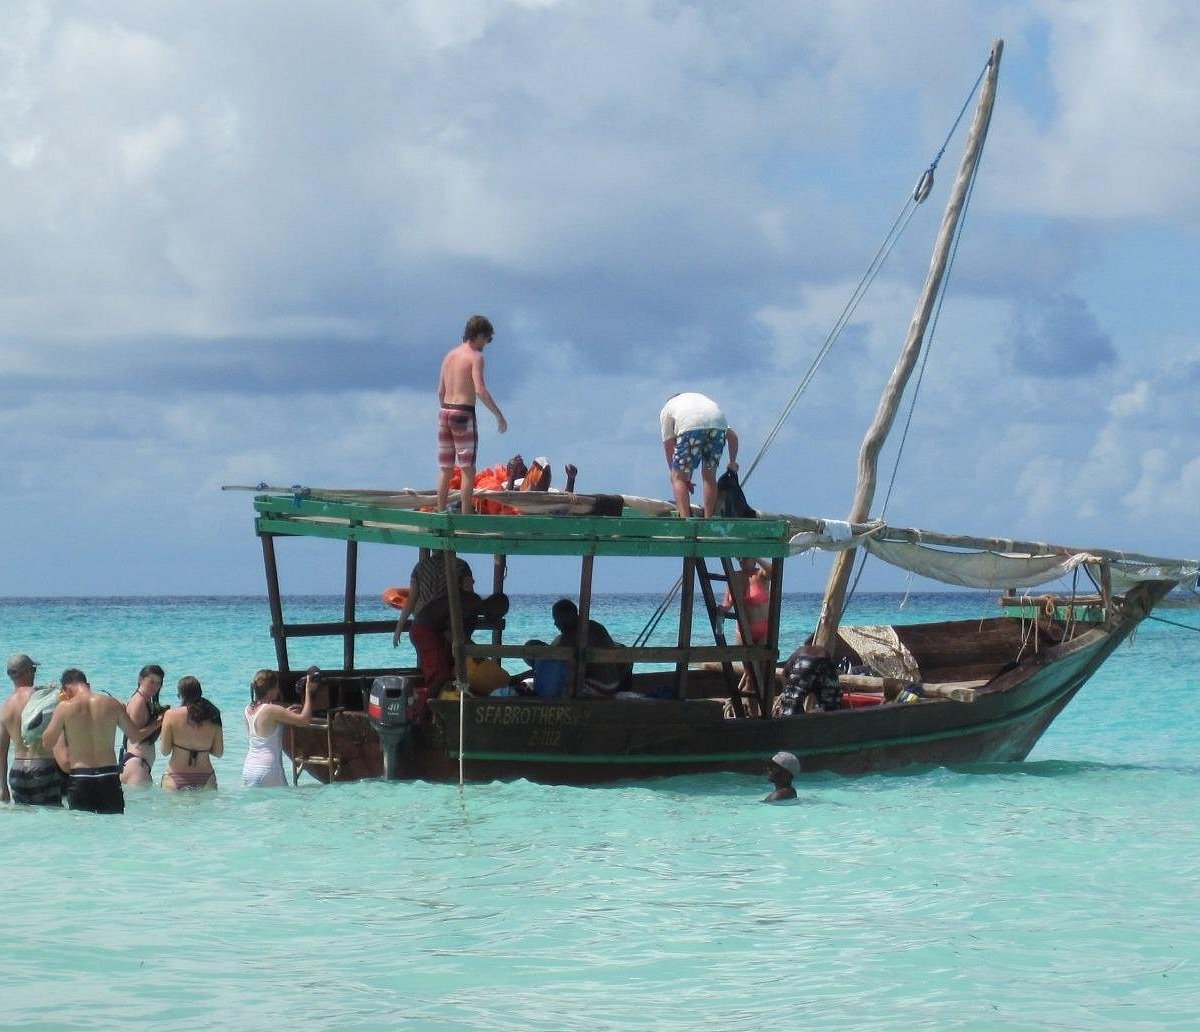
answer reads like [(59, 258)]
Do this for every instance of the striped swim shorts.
[(458, 436)]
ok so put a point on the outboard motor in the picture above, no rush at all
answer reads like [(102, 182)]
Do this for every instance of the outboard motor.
[(394, 707), (810, 682)]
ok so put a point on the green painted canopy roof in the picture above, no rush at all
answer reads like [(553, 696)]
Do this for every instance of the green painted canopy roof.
[(326, 515)]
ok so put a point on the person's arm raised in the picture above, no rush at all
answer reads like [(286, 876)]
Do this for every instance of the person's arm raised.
[(282, 715)]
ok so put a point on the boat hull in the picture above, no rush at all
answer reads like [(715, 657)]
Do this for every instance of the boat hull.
[(583, 741)]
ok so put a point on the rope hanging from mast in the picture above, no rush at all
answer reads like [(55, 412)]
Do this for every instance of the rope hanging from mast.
[(918, 195), (932, 336), (915, 198)]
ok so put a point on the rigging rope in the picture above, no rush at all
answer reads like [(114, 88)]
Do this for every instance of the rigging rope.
[(881, 255), (937, 312), (1174, 623), (915, 198)]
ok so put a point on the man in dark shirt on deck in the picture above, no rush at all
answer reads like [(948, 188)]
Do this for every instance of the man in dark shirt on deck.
[(428, 605)]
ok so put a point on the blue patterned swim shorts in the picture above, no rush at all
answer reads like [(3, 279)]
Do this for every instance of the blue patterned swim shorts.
[(695, 448)]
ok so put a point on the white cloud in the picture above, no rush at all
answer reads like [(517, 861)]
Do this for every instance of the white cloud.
[(1122, 135), (238, 238), (1130, 403)]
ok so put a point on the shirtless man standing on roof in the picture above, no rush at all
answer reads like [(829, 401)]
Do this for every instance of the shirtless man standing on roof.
[(460, 384), (89, 723)]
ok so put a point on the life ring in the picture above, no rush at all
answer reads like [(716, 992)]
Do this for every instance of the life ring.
[(395, 597), (1050, 606)]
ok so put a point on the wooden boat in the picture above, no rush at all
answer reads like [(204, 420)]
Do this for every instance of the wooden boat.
[(989, 688)]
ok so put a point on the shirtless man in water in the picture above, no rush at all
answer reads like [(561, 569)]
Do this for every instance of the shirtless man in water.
[(460, 384), (35, 779), (89, 723)]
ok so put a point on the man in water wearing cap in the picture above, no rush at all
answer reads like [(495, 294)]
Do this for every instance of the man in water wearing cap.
[(35, 779), (780, 771)]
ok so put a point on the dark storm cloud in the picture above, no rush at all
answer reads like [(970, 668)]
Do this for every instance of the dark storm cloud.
[(1058, 336)]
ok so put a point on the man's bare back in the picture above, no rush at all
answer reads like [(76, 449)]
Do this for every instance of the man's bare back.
[(460, 368), (460, 385), (89, 722), (10, 716)]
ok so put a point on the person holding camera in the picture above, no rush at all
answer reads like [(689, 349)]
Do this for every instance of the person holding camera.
[(265, 721)]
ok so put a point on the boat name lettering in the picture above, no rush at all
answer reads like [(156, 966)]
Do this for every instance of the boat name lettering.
[(539, 715)]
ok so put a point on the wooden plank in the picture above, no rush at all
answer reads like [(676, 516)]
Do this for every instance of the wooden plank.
[(348, 609), (336, 628), (671, 527), (585, 612), (454, 598), (664, 547), (544, 535), (687, 597), (275, 600), (527, 525)]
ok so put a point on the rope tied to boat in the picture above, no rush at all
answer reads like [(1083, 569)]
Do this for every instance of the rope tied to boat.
[(1174, 623)]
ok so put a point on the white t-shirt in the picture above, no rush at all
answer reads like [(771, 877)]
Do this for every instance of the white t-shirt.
[(690, 411)]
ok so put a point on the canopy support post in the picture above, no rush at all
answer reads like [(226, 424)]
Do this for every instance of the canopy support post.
[(276, 604), (581, 633), (348, 614), (687, 598)]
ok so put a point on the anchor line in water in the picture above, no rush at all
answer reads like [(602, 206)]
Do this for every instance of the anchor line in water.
[(1174, 623)]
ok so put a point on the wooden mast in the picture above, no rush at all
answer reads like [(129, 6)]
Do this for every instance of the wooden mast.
[(889, 404)]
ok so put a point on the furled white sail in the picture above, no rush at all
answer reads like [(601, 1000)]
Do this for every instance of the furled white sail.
[(981, 562)]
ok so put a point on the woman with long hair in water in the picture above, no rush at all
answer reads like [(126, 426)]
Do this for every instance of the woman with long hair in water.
[(191, 737), (265, 721)]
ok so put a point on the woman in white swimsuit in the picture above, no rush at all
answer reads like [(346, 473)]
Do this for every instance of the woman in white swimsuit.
[(265, 721)]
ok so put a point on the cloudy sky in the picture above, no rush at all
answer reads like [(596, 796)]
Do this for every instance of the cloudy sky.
[(236, 239)]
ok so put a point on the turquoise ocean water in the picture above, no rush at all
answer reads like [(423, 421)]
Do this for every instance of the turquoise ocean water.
[(1063, 892)]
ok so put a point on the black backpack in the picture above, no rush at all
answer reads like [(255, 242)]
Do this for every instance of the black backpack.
[(731, 502)]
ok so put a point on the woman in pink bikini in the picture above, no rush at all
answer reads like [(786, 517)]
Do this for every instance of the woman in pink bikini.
[(752, 585), (191, 736)]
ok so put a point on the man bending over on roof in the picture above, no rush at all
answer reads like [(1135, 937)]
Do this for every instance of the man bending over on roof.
[(428, 604), (694, 433), (461, 382), (35, 779), (88, 722)]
